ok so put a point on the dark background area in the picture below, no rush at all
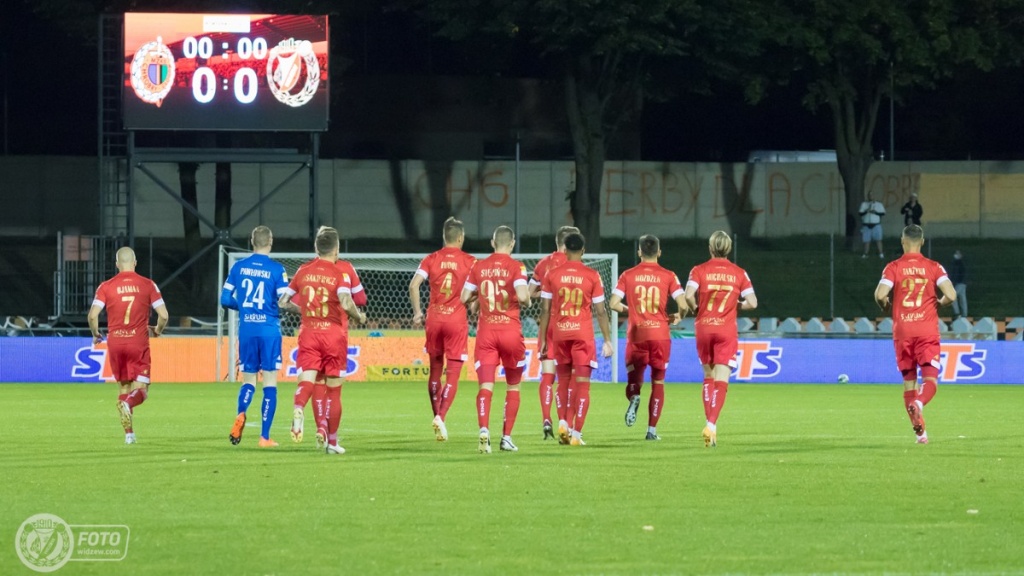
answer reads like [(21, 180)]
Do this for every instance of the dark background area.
[(48, 82)]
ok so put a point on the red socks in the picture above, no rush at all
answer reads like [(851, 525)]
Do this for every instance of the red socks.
[(483, 407), (718, 392), (632, 388), (709, 387), (581, 402), (928, 390), (302, 393), (319, 399), (451, 386), (909, 396), (511, 410), (546, 382), (333, 410), (656, 404), (434, 382), (136, 397), (564, 388)]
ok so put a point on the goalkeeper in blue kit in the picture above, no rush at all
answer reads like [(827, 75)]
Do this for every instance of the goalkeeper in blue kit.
[(253, 287)]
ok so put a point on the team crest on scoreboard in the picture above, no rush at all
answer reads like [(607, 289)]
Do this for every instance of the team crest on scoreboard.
[(152, 72), (757, 359), (286, 65)]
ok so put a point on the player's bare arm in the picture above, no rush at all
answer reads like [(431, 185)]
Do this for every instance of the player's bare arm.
[(523, 294), (542, 330), (350, 308), (684, 309), (606, 331), (948, 293), (161, 322), (285, 304), (414, 299), (749, 302), (615, 303), (690, 297), (882, 296), (94, 323)]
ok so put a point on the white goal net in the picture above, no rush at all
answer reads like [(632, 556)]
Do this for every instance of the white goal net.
[(385, 277)]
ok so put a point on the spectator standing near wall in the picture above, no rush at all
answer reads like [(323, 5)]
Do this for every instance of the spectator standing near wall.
[(912, 211), (871, 212)]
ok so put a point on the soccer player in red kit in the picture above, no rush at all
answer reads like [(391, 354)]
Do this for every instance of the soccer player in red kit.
[(128, 298), (323, 339), (647, 287), (909, 285), (501, 284), (306, 390), (447, 329), (567, 295), (714, 290), (547, 365)]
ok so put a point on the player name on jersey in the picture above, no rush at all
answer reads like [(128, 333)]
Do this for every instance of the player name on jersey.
[(253, 272)]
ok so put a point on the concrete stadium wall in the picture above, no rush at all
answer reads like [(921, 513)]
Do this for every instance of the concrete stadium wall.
[(361, 197)]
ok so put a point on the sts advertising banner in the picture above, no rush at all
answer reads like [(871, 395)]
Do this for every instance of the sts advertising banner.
[(401, 358)]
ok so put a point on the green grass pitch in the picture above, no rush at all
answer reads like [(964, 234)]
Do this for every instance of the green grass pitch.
[(806, 479)]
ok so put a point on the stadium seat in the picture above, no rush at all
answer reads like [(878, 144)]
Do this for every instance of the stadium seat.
[(744, 324), (814, 325), (1019, 336), (885, 326), (687, 325), (961, 329), (790, 325), (769, 324), (985, 328), (839, 326), (863, 326), (1016, 323)]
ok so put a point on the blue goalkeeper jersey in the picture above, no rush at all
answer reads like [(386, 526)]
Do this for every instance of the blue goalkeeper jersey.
[(253, 288)]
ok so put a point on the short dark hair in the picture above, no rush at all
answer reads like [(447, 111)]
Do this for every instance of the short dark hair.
[(649, 245), (575, 242), (561, 234), (503, 236), (913, 232), (326, 241), (453, 229)]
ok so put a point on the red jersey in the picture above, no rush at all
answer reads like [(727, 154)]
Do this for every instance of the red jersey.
[(320, 284), (913, 279), (572, 288), (128, 298), (358, 294), (496, 277), (553, 260), (446, 271), (720, 284), (646, 288)]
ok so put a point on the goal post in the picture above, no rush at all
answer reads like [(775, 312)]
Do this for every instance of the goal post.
[(385, 277)]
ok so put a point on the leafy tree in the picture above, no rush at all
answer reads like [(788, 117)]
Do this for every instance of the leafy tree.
[(852, 54), (602, 51)]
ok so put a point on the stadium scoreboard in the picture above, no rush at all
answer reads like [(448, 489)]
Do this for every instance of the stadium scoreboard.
[(253, 72)]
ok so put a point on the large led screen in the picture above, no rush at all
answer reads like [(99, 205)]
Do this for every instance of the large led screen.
[(261, 72)]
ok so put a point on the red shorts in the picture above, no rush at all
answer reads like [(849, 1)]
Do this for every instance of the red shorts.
[(716, 348), (323, 351), (574, 352), (503, 347), (129, 362), (447, 339), (550, 340), (917, 351), (653, 353)]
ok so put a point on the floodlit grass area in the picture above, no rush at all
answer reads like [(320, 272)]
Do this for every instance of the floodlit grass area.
[(806, 479)]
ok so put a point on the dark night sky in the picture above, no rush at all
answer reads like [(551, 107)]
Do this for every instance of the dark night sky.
[(49, 83)]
